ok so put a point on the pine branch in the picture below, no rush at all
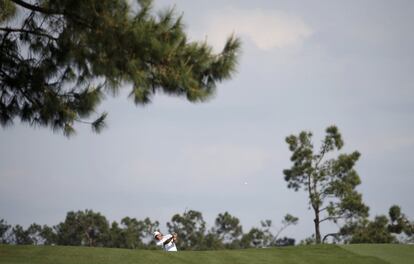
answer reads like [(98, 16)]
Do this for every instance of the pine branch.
[(50, 11), (323, 209), (36, 8), (30, 99), (4, 40), (10, 30), (323, 152), (99, 123), (331, 218)]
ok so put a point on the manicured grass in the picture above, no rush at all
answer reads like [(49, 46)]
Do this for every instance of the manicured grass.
[(290, 255), (392, 253)]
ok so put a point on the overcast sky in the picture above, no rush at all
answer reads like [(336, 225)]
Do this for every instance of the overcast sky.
[(305, 65)]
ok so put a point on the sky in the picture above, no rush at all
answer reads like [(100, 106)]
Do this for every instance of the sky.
[(305, 65)]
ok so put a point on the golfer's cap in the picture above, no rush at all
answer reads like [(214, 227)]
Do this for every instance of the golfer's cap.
[(156, 233)]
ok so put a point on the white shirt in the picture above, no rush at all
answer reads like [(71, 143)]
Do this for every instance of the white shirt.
[(170, 246)]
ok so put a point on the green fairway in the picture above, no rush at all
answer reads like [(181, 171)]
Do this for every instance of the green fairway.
[(392, 253), (354, 254)]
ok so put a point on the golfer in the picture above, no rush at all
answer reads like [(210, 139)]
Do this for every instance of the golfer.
[(167, 242)]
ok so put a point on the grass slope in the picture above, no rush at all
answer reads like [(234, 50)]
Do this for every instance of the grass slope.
[(392, 253), (290, 255)]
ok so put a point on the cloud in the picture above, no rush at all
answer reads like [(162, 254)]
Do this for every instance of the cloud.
[(267, 29)]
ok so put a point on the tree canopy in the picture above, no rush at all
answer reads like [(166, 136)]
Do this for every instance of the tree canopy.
[(227, 227), (190, 227), (60, 58), (382, 229)]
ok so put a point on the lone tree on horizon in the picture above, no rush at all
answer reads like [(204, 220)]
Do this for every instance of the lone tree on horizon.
[(60, 58), (330, 182)]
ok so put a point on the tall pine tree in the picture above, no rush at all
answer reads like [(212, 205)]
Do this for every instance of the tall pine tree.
[(330, 182), (59, 58)]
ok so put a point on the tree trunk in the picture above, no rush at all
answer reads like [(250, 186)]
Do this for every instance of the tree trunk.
[(89, 239), (317, 230)]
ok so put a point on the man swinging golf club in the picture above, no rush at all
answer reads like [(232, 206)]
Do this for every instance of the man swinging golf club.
[(167, 242)]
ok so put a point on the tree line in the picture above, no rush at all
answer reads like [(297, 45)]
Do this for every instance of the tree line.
[(92, 229)]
